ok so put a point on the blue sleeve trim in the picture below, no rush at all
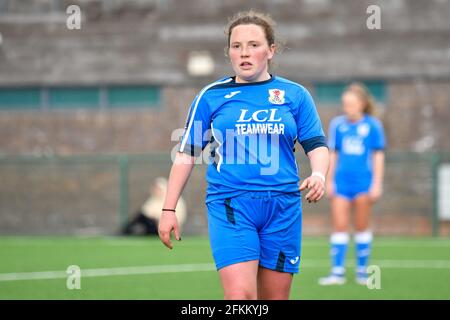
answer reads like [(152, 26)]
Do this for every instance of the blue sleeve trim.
[(313, 143), (193, 151)]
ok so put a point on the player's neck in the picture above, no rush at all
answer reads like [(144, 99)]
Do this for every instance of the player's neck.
[(355, 118), (263, 77)]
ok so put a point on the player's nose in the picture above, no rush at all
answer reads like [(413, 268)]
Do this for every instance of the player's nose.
[(244, 51)]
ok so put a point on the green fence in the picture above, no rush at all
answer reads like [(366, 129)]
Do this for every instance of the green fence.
[(96, 194)]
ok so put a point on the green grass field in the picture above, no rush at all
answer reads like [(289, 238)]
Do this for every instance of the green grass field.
[(411, 268)]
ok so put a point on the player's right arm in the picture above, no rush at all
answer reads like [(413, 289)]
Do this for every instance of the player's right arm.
[(179, 175), (193, 141)]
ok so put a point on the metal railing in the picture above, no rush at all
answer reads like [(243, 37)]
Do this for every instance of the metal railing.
[(101, 191)]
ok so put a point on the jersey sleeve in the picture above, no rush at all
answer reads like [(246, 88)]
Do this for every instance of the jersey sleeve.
[(334, 143), (378, 140), (309, 128), (198, 123)]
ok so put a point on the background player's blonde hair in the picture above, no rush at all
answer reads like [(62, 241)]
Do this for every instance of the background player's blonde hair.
[(363, 93)]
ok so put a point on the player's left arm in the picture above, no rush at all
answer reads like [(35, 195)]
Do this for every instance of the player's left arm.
[(376, 190), (312, 138), (319, 160)]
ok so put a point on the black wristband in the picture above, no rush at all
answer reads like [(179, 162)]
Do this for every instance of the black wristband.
[(172, 210)]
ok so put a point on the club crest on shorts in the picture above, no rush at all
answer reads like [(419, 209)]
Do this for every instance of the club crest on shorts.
[(276, 96)]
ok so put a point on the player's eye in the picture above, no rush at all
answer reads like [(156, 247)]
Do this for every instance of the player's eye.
[(235, 46)]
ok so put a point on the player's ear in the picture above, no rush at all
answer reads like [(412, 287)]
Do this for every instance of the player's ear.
[(272, 49)]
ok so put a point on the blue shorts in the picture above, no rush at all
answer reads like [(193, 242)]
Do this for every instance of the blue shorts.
[(350, 191), (264, 226)]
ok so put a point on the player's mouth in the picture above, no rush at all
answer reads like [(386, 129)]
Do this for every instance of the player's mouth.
[(246, 65)]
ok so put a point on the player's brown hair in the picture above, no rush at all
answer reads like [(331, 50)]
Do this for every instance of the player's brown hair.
[(253, 17), (362, 92)]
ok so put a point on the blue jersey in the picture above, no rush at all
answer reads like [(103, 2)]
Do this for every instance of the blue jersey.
[(355, 142), (252, 129)]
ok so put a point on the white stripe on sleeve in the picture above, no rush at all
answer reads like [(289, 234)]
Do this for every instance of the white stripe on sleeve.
[(191, 121)]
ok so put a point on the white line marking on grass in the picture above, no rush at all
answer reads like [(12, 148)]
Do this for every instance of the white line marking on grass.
[(151, 241), (114, 242), (178, 268), (389, 264), (414, 264), (382, 243), (101, 272)]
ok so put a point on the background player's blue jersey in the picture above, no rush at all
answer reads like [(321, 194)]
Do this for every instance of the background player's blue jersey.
[(355, 142), (252, 128)]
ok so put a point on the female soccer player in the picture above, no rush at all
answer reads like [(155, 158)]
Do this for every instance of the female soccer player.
[(355, 179), (252, 121)]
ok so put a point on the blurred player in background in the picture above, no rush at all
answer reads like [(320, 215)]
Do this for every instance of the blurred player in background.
[(252, 121), (146, 219), (355, 179)]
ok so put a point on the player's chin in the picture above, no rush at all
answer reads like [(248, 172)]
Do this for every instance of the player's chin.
[(246, 77), (247, 74)]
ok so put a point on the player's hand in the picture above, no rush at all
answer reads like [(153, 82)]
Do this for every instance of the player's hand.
[(330, 189), (316, 187), (168, 223), (375, 192)]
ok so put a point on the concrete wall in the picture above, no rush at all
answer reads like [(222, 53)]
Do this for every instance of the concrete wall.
[(415, 117), (67, 132), (148, 42), (151, 43)]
